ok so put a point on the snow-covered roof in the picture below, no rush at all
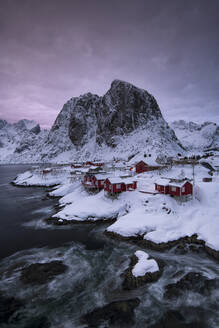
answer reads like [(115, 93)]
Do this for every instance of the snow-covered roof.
[(177, 184), (171, 182), (101, 176), (162, 182), (116, 180), (120, 180)]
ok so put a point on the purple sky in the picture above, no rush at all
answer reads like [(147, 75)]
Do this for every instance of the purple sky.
[(52, 50)]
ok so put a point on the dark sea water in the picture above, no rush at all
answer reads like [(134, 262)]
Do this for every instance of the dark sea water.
[(95, 264), (20, 207)]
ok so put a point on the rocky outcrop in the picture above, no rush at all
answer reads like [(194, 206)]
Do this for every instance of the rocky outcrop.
[(41, 273), (139, 240), (192, 281), (60, 222), (36, 129), (132, 282), (115, 314)]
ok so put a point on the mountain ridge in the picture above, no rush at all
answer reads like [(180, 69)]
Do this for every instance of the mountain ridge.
[(126, 121)]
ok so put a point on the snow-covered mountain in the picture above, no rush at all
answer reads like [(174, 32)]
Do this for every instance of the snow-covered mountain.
[(125, 122), (19, 140), (197, 137)]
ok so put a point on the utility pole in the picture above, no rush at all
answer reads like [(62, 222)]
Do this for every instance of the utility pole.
[(193, 177)]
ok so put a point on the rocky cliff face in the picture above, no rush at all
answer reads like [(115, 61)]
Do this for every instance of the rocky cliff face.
[(197, 137), (122, 110), (125, 122), (126, 119)]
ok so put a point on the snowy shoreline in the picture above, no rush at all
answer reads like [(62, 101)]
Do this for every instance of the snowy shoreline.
[(153, 221), (147, 244)]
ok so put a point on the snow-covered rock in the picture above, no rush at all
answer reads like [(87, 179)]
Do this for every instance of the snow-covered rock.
[(141, 270), (144, 265)]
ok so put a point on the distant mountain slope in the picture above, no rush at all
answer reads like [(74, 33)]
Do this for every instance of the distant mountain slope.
[(197, 136), (125, 122), (18, 141)]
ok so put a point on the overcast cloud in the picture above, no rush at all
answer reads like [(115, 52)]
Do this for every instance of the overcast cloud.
[(52, 50)]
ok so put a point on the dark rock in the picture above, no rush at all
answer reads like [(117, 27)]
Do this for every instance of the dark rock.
[(36, 129), (119, 314), (132, 282), (41, 273), (181, 249), (173, 319), (3, 123), (56, 221), (8, 307), (192, 281), (195, 248)]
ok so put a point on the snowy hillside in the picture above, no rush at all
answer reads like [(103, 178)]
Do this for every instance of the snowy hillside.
[(125, 122), (197, 137), (19, 140)]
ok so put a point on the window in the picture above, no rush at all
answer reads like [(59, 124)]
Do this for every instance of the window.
[(118, 185), (183, 189), (173, 188)]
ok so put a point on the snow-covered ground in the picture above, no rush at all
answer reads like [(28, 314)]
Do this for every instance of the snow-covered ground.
[(158, 218), (36, 177), (161, 218)]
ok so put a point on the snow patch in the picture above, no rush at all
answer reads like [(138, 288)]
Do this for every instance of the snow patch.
[(144, 265)]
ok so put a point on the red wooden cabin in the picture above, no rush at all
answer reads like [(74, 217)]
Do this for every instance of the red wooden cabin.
[(118, 185), (141, 167), (88, 181), (99, 181), (174, 187), (92, 181), (162, 186)]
